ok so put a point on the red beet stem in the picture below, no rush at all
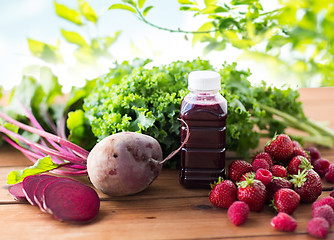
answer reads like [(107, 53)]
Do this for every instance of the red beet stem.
[(172, 154), (59, 140), (42, 148)]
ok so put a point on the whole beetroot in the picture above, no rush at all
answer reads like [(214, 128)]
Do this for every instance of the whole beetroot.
[(124, 163)]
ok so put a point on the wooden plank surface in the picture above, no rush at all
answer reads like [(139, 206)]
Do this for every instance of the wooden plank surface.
[(164, 211)]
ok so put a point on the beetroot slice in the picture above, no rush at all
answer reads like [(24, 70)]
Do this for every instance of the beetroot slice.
[(29, 185), (43, 207), (38, 194), (17, 193), (71, 201)]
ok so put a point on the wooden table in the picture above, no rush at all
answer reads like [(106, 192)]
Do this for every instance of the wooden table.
[(164, 211)]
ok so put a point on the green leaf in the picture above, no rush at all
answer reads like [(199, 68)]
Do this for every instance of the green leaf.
[(210, 2), (186, 2), (123, 7), (87, 11), (47, 52), (205, 27), (213, 9), (74, 37), (68, 14), (80, 130), (187, 8), (146, 10), (141, 3), (28, 92), (131, 2), (50, 85), (110, 40), (42, 165)]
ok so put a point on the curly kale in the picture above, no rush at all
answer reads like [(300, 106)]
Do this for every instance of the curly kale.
[(133, 97)]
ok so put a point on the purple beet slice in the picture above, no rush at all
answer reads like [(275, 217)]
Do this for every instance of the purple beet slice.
[(17, 193), (29, 185), (38, 194), (71, 201)]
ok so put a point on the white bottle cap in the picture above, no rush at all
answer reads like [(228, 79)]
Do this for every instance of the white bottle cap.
[(204, 80)]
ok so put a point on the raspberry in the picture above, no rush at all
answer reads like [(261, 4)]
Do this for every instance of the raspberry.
[(296, 144), (298, 151), (284, 222), (260, 163), (329, 176), (238, 212), (264, 176), (279, 171), (318, 227), (314, 153), (266, 156), (325, 212), (323, 201), (332, 194), (321, 166)]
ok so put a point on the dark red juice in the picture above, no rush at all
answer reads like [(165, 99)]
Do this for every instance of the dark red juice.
[(203, 156)]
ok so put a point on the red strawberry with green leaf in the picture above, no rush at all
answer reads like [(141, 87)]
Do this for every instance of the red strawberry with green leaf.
[(286, 200), (307, 184), (299, 163), (253, 192), (238, 168), (280, 148), (223, 193)]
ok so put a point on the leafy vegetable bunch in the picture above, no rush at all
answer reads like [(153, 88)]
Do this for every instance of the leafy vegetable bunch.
[(133, 97)]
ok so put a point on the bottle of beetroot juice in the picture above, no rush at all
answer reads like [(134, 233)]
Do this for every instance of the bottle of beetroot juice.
[(204, 109)]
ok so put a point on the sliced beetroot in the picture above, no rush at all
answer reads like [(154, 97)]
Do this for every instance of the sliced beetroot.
[(38, 194), (29, 185), (17, 193), (71, 201)]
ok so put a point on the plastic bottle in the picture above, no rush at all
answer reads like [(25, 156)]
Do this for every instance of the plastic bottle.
[(204, 109)]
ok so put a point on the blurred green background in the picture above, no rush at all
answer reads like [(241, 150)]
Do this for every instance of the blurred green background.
[(285, 43)]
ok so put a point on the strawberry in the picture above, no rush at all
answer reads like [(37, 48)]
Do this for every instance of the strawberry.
[(284, 222), (223, 193), (276, 184), (238, 212), (299, 163), (266, 156), (321, 166), (253, 192), (307, 184), (286, 200), (238, 168), (250, 175), (279, 171), (280, 148), (298, 151)]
